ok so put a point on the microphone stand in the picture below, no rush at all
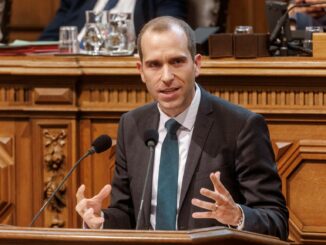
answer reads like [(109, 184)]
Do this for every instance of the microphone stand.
[(151, 145), (90, 152)]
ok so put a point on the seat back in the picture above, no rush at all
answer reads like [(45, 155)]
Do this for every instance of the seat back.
[(5, 11)]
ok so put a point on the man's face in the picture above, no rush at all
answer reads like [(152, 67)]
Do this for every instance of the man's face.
[(168, 70)]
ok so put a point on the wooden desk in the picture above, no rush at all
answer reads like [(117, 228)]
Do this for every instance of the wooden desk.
[(51, 108), (207, 236)]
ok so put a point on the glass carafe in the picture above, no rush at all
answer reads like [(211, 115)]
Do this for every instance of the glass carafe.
[(121, 37), (95, 29)]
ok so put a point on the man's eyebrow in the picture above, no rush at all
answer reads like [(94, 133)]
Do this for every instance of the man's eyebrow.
[(180, 57), (151, 61)]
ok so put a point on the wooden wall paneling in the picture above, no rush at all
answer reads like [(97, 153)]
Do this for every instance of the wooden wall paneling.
[(303, 172), (30, 17), (103, 163), (6, 213), (7, 169), (97, 170), (121, 92), (54, 154), (247, 12), (24, 189)]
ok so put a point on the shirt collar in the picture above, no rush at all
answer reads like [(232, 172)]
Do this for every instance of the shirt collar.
[(188, 117)]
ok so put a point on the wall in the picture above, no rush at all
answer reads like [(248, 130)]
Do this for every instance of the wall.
[(29, 17)]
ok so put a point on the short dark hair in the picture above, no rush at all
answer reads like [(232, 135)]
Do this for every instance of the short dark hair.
[(165, 23)]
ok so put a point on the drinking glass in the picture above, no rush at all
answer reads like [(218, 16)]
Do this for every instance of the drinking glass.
[(121, 38), (68, 42), (307, 42), (243, 30)]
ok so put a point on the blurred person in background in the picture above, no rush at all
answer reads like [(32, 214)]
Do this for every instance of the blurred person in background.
[(308, 16), (72, 13)]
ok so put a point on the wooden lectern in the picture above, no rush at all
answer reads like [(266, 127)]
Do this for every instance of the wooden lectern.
[(214, 235)]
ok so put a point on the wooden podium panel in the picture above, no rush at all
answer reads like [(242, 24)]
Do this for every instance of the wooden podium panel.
[(216, 235), (53, 107)]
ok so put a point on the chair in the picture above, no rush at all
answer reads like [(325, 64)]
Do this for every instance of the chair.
[(5, 11)]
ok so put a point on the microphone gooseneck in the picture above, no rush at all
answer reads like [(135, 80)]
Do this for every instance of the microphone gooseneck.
[(100, 144), (150, 140)]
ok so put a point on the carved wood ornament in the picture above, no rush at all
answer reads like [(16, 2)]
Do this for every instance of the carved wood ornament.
[(54, 159)]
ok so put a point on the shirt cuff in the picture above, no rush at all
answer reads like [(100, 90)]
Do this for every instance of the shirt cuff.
[(242, 220), (240, 225)]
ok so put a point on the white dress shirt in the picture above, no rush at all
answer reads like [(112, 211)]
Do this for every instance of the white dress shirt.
[(187, 120)]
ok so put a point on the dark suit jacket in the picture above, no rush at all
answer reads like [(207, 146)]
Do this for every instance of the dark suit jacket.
[(304, 20), (72, 13), (226, 138)]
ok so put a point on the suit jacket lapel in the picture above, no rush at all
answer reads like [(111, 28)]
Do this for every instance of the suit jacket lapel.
[(202, 128)]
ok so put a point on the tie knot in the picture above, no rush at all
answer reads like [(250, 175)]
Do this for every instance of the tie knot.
[(172, 126)]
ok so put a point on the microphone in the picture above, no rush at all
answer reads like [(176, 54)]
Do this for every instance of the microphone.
[(100, 144), (283, 19), (150, 139)]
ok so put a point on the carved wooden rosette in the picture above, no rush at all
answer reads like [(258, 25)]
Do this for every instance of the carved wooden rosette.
[(54, 156)]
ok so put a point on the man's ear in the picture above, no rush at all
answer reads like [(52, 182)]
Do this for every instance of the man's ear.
[(197, 64), (140, 69)]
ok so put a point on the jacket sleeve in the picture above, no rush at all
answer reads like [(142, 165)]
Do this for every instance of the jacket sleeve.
[(264, 206), (120, 213)]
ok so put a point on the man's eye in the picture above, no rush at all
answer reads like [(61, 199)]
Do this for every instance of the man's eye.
[(177, 61), (153, 64)]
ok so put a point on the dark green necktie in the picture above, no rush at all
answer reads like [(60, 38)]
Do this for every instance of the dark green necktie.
[(166, 209)]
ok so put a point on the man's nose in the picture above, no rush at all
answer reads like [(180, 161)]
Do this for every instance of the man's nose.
[(167, 74)]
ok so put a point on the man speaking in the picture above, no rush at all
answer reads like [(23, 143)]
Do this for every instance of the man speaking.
[(213, 163)]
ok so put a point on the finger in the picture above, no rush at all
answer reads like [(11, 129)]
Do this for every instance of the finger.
[(104, 193), (215, 178), (80, 193), (91, 219), (203, 204), (214, 195), (81, 207), (203, 215)]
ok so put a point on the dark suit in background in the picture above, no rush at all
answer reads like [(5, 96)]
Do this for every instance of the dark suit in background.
[(72, 13), (304, 20), (226, 138)]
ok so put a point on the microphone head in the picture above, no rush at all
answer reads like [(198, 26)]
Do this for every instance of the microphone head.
[(150, 137), (102, 143)]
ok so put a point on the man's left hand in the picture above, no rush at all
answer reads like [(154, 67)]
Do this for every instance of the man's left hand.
[(223, 208)]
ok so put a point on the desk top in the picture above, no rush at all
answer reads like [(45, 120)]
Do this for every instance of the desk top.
[(79, 65)]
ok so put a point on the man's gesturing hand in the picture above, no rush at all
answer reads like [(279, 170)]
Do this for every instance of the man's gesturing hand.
[(90, 208), (223, 208)]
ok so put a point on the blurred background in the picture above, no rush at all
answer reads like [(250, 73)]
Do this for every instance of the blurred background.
[(29, 17)]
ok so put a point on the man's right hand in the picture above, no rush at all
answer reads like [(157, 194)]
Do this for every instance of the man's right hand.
[(90, 208)]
